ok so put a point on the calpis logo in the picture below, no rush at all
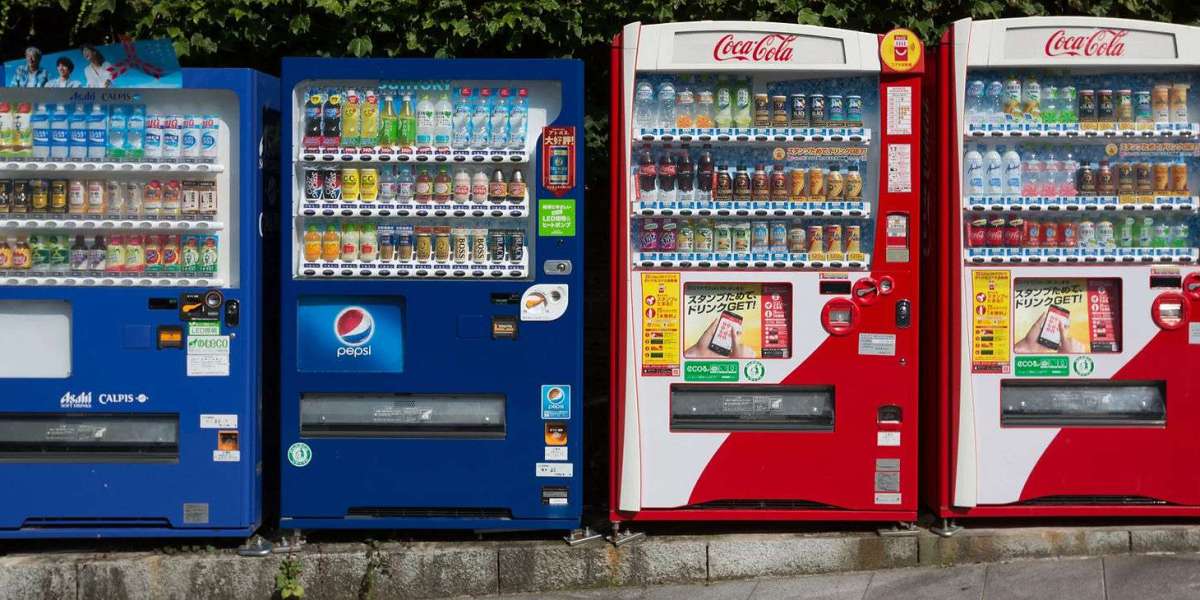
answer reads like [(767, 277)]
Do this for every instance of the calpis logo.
[(1101, 42), (354, 327), (775, 47)]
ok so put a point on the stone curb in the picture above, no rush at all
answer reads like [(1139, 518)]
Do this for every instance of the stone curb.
[(414, 570)]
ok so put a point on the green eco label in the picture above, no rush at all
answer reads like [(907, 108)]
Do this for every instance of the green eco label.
[(755, 370), (1042, 366), (204, 328), (710, 370), (1084, 365), (556, 217), (299, 454)]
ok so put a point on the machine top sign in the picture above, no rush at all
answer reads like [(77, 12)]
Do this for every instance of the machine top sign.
[(1100, 42), (773, 47)]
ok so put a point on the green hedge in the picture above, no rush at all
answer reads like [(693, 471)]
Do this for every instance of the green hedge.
[(258, 33)]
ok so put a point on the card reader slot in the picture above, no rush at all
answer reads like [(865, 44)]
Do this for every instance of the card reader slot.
[(752, 408), (93, 438), (1083, 404), (472, 416)]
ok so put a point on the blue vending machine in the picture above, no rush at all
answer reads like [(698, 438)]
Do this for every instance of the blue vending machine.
[(431, 314), (130, 329)]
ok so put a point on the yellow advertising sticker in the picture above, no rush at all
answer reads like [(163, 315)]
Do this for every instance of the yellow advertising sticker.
[(660, 324), (991, 302), (900, 50)]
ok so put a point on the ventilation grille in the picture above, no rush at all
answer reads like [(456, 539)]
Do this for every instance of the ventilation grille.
[(98, 522), (1097, 500), (760, 505), (396, 512)]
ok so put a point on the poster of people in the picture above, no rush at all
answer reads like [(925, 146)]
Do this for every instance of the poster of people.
[(1066, 316), (737, 320), (130, 63)]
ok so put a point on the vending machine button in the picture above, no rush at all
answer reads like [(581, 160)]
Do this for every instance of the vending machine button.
[(233, 313), (903, 313)]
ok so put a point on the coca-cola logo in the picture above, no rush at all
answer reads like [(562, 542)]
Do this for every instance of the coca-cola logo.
[(775, 47), (1101, 42)]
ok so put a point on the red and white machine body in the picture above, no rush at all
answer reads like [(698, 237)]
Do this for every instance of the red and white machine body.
[(1021, 422), (721, 437)]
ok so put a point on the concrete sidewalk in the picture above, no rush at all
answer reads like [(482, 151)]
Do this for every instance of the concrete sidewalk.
[(1174, 577)]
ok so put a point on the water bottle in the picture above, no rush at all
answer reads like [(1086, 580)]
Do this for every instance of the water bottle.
[(1051, 175), (643, 105), (1050, 104), (518, 120), (1031, 175), (59, 133), (499, 126), (481, 119), (78, 138), (1012, 172), (1066, 181), (976, 110), (666, 103), (136, 132), (993, 168), (974, 172), (97, 132), (425, 122), (443, 122), (461, 137), (995, 102), (40, 124)]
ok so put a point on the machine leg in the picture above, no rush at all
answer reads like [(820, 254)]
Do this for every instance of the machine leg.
[(620, 538), (580, 536), (256, 546), (901, 529), (946, 528), (290, 543)]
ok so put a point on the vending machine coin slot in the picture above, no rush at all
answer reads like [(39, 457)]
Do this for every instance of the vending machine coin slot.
[(903, 313), (197, 306), (1171, 281), (163, 303), (505, 298), (834, 287)]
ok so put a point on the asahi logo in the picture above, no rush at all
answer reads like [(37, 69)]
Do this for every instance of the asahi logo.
[(775, 47), (1101, 42), (80, 400)]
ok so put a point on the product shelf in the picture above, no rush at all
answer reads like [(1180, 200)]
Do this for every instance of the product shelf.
[(374, 209), (723, 260), (860, 135), (853, 210), (101, 224), (26, 278), (310, 157), (1080, 203), (1086, 130), (1079, 255), (414, 270), (109, 167)]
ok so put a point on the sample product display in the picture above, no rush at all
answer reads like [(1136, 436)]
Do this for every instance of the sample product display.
[(433, 297), (764, 287)]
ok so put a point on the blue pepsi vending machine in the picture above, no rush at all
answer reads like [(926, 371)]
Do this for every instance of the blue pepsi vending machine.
[(130, 329), (431, 317)]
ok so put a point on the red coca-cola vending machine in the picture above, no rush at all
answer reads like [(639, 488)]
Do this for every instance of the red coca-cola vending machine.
[(1063, 379), (765, 221)]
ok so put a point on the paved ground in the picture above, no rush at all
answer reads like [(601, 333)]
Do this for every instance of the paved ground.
[(1162, 577)]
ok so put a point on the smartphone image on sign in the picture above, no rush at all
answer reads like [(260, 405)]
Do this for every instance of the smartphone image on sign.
[(1058, 320), (728, 326)]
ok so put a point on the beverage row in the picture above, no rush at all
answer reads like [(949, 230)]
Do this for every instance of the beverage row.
[(398, 184), (725, 103), (765, 236), (674, 179), (478, 118), (169, 199), (113, 254), (371, 242), (1028, 101), (105, 132), (1128, 232), (1003, 171)]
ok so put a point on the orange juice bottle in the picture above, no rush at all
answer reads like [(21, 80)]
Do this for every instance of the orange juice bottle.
[(312, 244), (331, 244)]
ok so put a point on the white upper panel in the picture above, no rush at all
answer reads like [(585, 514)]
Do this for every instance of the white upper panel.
[(1081, 41), (750, 46)]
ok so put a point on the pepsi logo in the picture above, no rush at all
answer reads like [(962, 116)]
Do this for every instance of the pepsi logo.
[(354, 326)]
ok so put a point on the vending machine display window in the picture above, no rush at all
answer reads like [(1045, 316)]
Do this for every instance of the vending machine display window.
[(737, 320), (1082, 404), (403, 415), (758, 408), (1066, 315)]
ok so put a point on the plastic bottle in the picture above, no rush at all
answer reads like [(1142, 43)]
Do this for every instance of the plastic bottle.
[(644, 115), (685, 105), (499, 118), (368, 136), (1051, 174), (743, 106), (976, 111), (77, 140), (685, 177), (705, 173), (210, 133), (994, 105), (1066, 179), (723, 111), (479, 187), (331, 244), (60, 133), (993, 168), (461, 186), (666, 103), (406, 124), (405, 185), (974, 174), (1012, 172), (171, 134), (331, 119), (22, 144), (443, 122), (97, 134), (1050, 104), (40, 124), (189, 148), (389, 124), (368, 243), (349, 243), (6, 130), (704, 104), (426, 122), (460, 139), (312, 244), (351, 119), (135, 133), (518, 120), (1031, 174), (481, 120)]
